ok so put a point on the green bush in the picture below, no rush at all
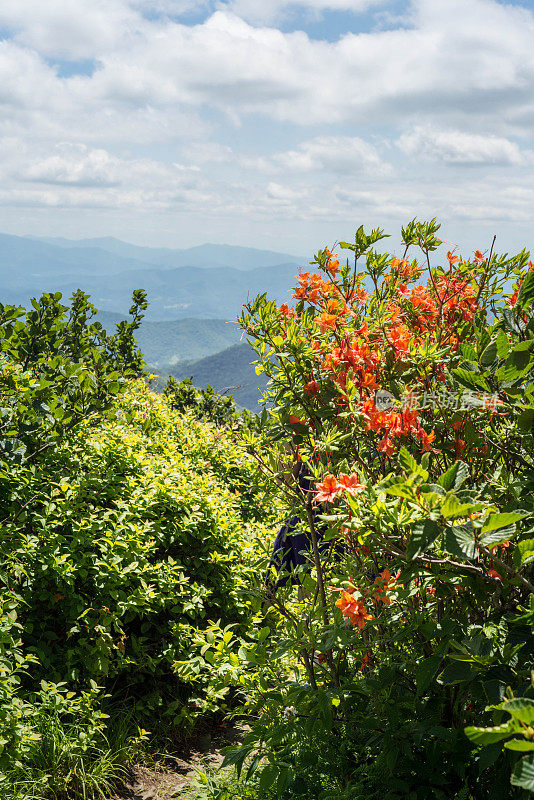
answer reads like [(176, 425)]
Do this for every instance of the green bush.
[(127, 527)]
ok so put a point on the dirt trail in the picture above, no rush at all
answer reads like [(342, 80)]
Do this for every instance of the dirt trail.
[(177, 782)]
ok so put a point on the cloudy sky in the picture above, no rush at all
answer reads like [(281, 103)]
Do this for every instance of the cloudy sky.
[(269, 123)]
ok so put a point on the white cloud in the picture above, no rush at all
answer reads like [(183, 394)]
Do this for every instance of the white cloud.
[(334, 154), (76, 29), (459, 147), (456, 84), (151, 75)]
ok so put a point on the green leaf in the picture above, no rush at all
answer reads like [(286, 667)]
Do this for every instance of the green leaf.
[(522, 745), (489, 355), (423, 534), (410, 465), (496, 537), (452, 508), (235, 756), (497, 521), (525, 420), (471, 380), (502, 345), (426, 672), (483, 736), (402, 490), (455, 476), (521, 708), (460, 541), (523, 774), (456, 672), (526, 292), (526, 550), (268, 776)]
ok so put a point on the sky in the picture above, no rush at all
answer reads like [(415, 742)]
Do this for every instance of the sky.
[(280, 124)]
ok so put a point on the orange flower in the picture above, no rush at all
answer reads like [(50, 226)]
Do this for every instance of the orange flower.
[(286, 311), (350, 483), (365, 662), (311, 387), (353, 610), (479, 257), (452, 259), (385, 583), (426, 439), (332, 266), (513, 299), (493, 573), (386, 445), (326, 321), (328, 490), (494, 550), (293, 420)]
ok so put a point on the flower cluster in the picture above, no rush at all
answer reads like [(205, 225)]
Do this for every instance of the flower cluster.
[(353, 610), (330, 488)]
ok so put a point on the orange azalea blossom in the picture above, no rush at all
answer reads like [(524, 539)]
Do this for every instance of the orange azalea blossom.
[(286, 311), (293, 420), (478, 256), (452, 258), (311, 387), (326, 321), (332, 263), (402, 268), (426, 440), (385, 583), (494, 550), (328, 490), (513, 299), (300, 293), (352, 609), (365, 662), (350, 483)]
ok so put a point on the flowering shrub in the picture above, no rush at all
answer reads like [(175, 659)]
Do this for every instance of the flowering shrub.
[(407, 390)]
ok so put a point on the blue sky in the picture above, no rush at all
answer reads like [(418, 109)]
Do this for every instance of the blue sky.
[(266, 123)]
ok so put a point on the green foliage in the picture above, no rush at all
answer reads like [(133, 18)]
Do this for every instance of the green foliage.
[(129, 528), (57, 369), (205, 404)]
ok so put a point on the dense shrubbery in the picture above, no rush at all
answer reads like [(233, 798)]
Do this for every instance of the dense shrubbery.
[(126, 527), (407, 390)]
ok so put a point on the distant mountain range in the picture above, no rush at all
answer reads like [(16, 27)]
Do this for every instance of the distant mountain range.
[(204, 288), (194, 296), (205, 256), (199, 349)]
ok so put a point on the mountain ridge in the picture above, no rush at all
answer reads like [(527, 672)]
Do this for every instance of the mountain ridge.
[(206, 255)]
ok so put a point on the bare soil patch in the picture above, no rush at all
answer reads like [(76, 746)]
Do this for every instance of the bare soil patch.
[(177, 781)]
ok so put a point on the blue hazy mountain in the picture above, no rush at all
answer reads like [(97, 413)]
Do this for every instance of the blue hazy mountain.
[(205, 255), (204, 289), (185, 331)]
